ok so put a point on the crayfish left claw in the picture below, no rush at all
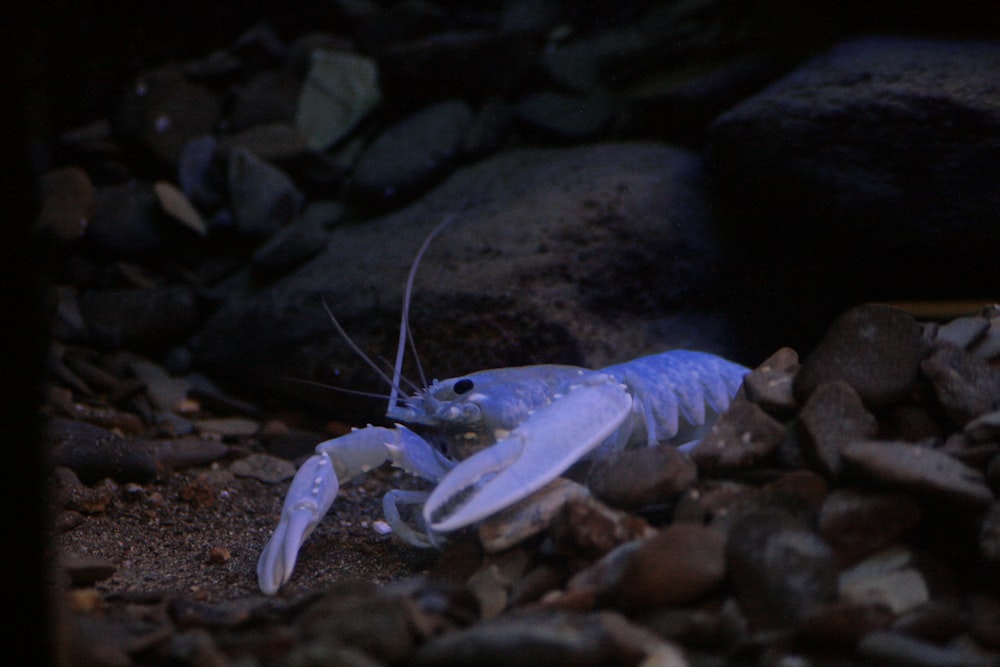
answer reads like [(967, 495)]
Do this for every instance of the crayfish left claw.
[(309, 498), (536, 452)]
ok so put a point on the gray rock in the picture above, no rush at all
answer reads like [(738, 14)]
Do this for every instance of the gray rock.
[(833, 417), (888, 648), (835, 144), (270, 97), (984, 428), (543, 245), (289, 248), (521, 640), (140, 319), (875, 349), (966, 387), (340, 90), (413, 153), (94, 453), (565, 116), (780, 570), (266, 468), (127, 220), (925, 472), (640, 477), (263, 197)]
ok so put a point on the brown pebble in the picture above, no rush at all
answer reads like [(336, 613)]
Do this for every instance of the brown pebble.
[(744, 435), (832, 417), (678, 566), (219, 555)]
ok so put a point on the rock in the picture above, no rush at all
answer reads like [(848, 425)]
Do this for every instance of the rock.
[(889, 648), (275, 142), (340, 90), (989, 536), (176, 205), (939, 621), (965, 387), (67, 204), (85, 569), (140, 319), (922, 471), (178, 454), (270, 97), (638, 477), (290, 247), (875, 349), (887, 579), (488, 130), (676, 567), (522, 639), (199, 173), (963, 332), (413, 153), (833, 417), (780, 570), (165, 111), (566, 117), (165, 392), (228, 427), (469, 64), (743, 436), (263, 197), (127, 221), (841, 624), (354, 614), (94, 453), (770, 384), (528, 516), (868, 97), (589, 527), (578, 259), (984, 428), (858, 523)]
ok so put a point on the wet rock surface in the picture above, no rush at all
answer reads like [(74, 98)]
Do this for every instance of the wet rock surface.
[(844, 510)]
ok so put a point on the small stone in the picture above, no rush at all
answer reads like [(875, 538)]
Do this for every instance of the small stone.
[(743, 436), (126, 220), (857, 523), (589, 527), (413, 153), (985, 624), (528, 516), (85, 569), (875, 349), (264, 198), (566, 116), (899, 590), (67, 203), (984, 428), (963, 332), (638, 477), (841, 624), (770, 384), (228, 427), (265, 468), (923, 471), (219, 555), (289, 248), (966, 387), (888, 648), (832, 417), (181, 453), (340, 90), (552, 638), (94, 453), (176, 204), (165, 392), (780, 570), (989, 536), (678, 566)]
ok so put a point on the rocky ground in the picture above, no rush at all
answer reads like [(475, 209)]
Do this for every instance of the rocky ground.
[(637, 177)]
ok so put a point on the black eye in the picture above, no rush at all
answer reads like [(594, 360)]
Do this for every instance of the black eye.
[(463, 386)]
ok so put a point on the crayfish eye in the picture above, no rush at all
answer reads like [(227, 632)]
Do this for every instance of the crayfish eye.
[(463, 386)]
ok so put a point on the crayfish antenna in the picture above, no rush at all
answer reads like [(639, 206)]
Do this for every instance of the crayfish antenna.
[(404, 330), (358, 351)]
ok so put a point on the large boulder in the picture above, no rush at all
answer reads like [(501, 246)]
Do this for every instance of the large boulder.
[(585, 255), (868, 173)]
